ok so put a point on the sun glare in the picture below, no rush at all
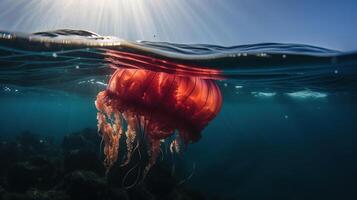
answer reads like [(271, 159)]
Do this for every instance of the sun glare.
[(129, 19)]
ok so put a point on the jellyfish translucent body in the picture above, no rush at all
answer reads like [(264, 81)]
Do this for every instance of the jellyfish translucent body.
[(157, 104)]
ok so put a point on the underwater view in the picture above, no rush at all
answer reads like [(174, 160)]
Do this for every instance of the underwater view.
[(163, 100)]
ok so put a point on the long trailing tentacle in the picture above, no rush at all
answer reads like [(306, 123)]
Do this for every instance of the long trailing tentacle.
[(190, 175), (153, 153), (137, 147), (126, 175)]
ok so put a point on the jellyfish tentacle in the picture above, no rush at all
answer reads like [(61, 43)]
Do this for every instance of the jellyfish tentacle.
[(175, 146), (154, 151), (130, 135), (127, 174), (162, 154), (190, 175), (110, 129), (110, 146)]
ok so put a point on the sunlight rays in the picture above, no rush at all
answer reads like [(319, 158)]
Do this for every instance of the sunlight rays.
[(163, 20)]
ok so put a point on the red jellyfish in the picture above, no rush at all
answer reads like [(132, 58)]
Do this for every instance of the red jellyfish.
[(158, 104)]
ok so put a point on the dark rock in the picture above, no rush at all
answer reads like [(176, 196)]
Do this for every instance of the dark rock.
[(47, 195), (117, 193), (20, 177), (34, 168), (2, 192), (15, 196), (9, 154), (87, 139), (34, 144), (160, 180), (83, 160), (140, 192), (36, 195), (23, 148), (38, 173), (185, 194), (84, 185)]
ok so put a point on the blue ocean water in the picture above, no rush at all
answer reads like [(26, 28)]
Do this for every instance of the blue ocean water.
[(287, 128)]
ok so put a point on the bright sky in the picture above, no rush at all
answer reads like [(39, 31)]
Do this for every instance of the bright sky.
[(326, 23)]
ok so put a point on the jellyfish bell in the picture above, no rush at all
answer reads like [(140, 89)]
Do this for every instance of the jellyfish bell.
[(156, 104)]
